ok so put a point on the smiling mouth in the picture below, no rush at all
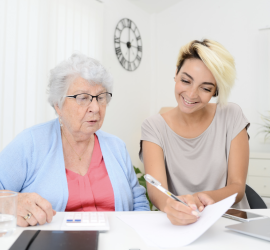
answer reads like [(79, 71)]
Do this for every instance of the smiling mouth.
[(187, 102)]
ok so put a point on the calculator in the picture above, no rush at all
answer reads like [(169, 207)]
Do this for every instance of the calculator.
[(89, 221)]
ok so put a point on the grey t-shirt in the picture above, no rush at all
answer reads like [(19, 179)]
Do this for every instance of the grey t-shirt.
[(201, 163)]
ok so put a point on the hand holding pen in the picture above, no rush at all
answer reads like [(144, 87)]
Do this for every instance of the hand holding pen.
[(182, 210)]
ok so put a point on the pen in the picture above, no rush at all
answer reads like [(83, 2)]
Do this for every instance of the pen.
[(157, 184)]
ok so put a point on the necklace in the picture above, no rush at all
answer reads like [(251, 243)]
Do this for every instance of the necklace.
[(80, 157)]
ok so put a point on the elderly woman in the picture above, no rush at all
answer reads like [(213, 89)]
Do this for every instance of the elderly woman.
[(198, 150), (68, 164)]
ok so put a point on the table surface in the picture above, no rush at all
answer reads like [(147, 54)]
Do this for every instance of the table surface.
[(123, 237)]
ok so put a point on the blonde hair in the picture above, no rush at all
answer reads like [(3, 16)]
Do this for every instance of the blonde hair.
[(217, 59)]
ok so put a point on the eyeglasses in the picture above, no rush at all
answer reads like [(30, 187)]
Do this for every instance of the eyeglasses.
[(85, 99)]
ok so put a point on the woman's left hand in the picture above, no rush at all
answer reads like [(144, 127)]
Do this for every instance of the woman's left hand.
[(201, 200)]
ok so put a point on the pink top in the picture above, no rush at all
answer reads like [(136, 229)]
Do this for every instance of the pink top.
[(93, 191)]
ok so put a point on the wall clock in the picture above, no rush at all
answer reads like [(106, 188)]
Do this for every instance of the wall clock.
[(128, 44)]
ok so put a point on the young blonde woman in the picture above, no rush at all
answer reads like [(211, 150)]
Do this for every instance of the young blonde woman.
[(198, 150)]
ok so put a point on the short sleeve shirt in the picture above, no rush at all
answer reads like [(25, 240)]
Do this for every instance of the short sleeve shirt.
[(201, 163)]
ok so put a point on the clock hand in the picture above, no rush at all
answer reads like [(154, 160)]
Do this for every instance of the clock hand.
[(129, 48)]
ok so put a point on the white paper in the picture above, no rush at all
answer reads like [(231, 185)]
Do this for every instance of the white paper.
[(156, 229)]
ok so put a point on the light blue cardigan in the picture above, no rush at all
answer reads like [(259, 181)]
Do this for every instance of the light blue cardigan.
[(34, 162)]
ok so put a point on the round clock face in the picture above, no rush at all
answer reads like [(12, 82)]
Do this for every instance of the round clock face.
[(128, 44)]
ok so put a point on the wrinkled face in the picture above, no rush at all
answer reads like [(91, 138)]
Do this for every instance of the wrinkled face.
[(194, 86), (83, 121)]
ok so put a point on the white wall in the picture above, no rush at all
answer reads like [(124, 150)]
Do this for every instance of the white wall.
[(35, 36), (138, 94), (233, 23), (130, 104)]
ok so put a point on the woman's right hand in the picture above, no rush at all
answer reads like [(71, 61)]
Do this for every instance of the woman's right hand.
[(40, 209), (180, 214)]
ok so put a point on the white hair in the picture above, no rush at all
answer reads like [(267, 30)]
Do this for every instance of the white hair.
[(78, 65)]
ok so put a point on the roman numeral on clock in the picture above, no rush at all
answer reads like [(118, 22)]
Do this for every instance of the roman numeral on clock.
[(117, 39), (129, 66), (118, 52), (129, 23), (123, 61), (124, 23)]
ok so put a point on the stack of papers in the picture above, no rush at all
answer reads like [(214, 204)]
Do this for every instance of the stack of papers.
[(157, 231)]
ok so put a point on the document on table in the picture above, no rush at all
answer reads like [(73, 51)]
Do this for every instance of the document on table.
[(157, 231)]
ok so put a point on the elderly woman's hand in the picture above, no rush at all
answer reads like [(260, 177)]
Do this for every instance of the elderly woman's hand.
[(180, 214), (37, 209)]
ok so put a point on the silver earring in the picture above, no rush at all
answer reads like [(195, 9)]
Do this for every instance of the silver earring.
[(60, 120)]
